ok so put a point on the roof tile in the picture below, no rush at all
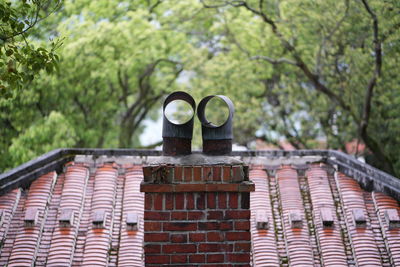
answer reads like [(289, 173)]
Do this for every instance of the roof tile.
[(362, 240), (315, 195)]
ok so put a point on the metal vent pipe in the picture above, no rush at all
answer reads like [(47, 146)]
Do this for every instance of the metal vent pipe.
[(177, 138), (217, 140)]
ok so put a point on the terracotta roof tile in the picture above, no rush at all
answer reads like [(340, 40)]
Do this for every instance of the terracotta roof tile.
[(281, 191), (291, 201), (392, 236), (264, 243), (25, 246), (329, 239), (98, 240), (363, 242), (63, 240), (50, 222), (131, 251), (8, 205)]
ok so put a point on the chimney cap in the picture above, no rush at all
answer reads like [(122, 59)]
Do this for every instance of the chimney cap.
[(217, 140), (177, 137)]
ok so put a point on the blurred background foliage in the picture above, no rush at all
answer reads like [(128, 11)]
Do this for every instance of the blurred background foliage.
[(314, 74)]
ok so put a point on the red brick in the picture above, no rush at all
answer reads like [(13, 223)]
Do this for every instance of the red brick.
[(234, 236), (179, 248), (179, 238), (217, 173), (222, 187), (195, 215), (214, 258), (201, 201), (179, 201), (148, 201), (156, 237), (178, 174), (226, 173), (233, 200), (157, 215), (207, 174), (220, 265), (197, 237), (197, 173), (169, 201), (152, 226), (239, 257), (199, 258), (178, 215), (179, 226), (154, 259), (245, 200), (242, 247), (158, 201), (169, 172), (211, 200), (189, 201), (215, 236), (208, 225), (225, 226), (152, 249), (216, 247), (156, 188), (222, 200), (215, 215), (237, 214), (237, 174), (245, 172), (178, 259), (190, 187), (147, 173), (187, 177), (242, 225), (246, 187)]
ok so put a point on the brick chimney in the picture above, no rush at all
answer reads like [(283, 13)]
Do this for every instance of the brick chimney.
[(197, 213)]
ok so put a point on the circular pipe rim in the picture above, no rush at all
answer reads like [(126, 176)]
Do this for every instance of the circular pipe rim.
[(180, 95), (201, 111)]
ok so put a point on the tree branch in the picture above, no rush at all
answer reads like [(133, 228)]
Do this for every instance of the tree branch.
[(213, 6), (315, 79), (274, 61), (368, 140), (377, 72), (155, 5)]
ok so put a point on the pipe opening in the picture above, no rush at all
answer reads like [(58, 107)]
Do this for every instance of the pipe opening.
[(215, 111), (179, 112), (179, 108), (178, 123)]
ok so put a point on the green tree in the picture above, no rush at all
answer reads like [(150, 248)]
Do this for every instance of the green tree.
[(326, 68), (310, 72), (43, 136), (116, 65), (21, 58)]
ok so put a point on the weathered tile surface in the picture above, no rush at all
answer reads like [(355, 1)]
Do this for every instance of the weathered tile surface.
[(307, 218)]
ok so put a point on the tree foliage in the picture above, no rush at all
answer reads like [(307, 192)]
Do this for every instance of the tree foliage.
[(20, 58), (43, 136), (308, 72), (325, 66), (116, 64)]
